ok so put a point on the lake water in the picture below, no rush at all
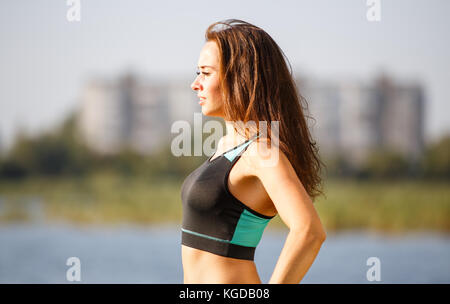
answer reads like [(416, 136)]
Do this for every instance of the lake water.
[(130, 254)]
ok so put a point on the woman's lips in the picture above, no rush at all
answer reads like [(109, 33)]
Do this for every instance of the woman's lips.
[(201, 101)]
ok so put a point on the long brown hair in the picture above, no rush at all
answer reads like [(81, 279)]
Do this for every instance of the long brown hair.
[(257, 86)]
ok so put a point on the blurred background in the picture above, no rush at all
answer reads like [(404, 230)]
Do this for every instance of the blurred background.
[(89, 91)]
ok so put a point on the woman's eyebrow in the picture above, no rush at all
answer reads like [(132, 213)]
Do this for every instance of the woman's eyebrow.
[(206, 66)]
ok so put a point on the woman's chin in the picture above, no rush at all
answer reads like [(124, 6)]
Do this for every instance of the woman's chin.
[(205, 110)]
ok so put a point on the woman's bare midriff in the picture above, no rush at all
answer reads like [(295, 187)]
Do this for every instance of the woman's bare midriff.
[(202, 267)]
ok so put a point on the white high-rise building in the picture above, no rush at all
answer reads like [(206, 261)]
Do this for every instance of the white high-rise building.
[(133, 113), (354, 119)]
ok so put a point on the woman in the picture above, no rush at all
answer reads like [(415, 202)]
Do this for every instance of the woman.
[(230, 198)]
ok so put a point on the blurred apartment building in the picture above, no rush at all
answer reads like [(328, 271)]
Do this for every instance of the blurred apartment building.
[(133, 112), (351, 119)]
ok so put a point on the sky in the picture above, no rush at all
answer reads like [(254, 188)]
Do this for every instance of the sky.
[(45, 60)]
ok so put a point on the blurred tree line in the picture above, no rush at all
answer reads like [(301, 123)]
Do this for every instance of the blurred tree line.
[(63, 153), (434, 163)]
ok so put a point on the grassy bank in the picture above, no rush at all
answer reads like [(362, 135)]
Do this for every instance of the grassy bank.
[(386, 206), (382, 206)]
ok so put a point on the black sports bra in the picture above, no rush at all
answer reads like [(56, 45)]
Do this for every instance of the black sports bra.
[(213, 219)]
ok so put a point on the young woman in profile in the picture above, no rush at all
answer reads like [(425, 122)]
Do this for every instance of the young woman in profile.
[(230, 198)]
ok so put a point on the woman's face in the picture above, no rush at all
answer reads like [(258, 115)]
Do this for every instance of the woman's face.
[(207, 82)]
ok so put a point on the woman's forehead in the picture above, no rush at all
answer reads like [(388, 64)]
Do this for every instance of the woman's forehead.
[(209, 56)]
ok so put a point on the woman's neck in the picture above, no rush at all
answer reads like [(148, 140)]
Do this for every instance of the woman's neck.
[(232, 134)]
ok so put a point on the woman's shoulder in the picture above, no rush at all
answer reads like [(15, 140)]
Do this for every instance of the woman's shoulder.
[(265, 157)]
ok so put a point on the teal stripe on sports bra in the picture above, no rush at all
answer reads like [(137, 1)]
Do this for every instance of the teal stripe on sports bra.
[(235, 152), (249, 229), (205, 236)]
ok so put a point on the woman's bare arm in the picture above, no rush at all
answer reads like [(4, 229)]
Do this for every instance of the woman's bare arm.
[(295, 207)]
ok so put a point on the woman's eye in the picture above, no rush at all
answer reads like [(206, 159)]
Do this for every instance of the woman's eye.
[(198, 73)]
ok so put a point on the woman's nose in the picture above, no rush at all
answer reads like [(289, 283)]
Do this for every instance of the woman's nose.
[(195, 85)]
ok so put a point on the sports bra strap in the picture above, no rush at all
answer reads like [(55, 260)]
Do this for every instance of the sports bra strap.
[(231, 155)]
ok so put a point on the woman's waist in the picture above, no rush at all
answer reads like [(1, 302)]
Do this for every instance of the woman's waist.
[(201, 266)]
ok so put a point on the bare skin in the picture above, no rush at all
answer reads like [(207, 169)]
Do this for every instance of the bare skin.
[(204, 267), (258, 187)]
